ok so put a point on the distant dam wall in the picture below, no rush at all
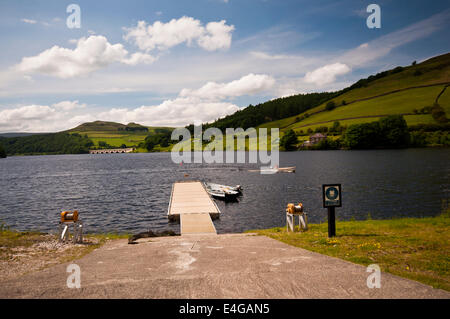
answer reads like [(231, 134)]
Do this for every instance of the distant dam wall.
[(112, 151)]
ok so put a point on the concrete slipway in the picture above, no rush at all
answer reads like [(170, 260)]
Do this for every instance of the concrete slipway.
[(211, 266)]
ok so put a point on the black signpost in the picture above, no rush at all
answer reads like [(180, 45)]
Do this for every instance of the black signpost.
[(332, 197)]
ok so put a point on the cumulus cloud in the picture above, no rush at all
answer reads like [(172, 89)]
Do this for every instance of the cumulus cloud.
[(162, 36), (175, 112), (194, 106), (326, 74), (90, 54), (205, 104), (42, 118), (246, 85)]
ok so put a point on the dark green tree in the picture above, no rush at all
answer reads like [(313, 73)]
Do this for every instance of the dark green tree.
[(330, 106), (335, 127), (289, 141), (438, 114), (2, 152), (394, 131), (362, 136), (103, 144)]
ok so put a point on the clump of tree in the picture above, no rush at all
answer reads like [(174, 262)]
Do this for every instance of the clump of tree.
[(2, 152), (336, 127), (423, 110), (134, 127), (289, 141), (388, 132), (327, 144), (161, 137), (438, 114), (394, 131), (330, 106), (430, 127), (104, 145), (52, 143), (437, 138), (363, 136)]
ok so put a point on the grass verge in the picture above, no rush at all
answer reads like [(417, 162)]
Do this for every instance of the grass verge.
[(414, 248)]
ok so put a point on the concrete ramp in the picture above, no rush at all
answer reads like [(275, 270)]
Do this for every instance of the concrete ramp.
[(196, 224)]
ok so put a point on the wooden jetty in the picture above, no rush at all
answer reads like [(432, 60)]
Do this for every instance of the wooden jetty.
[(192, 205)]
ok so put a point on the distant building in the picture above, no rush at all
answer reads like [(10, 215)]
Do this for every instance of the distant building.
[(316, 138), (306, 143)]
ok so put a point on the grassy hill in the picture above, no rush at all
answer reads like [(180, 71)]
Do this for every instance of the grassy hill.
[(115, 134), (403, 90)]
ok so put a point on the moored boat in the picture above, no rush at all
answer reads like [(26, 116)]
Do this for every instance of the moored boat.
[(223, 192)]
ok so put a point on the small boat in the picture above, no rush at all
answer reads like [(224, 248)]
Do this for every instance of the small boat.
[(272, 170), (287, 169), (223, 191)]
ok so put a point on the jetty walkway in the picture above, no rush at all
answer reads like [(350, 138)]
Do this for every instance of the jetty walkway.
[(193, 207)]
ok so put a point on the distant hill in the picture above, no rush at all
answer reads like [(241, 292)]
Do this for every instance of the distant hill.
[(103, 126), (114, 134), (18, 134)]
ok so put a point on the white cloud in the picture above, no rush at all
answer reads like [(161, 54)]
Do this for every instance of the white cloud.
[(162, 36), (177, 112), (246, 85), (68, 105), (29, 21), (26, 118), (43, 118), (138, 57), (90, 54), (216, 37), (194, 106), (326, 74), (265, 56), (191, 106)]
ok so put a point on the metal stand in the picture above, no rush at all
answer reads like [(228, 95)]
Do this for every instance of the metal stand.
[(77, 232), (302, 221), (331, 222)]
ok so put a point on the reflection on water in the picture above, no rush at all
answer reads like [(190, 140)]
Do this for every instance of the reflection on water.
[(130, 192)]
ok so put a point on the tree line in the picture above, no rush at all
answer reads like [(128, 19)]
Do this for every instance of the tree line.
[(388, 132), (52, 143)]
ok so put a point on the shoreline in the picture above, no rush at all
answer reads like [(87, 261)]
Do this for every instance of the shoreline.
[(434, 146)]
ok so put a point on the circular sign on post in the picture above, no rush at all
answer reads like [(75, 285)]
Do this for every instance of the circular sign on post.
[(331, 195)]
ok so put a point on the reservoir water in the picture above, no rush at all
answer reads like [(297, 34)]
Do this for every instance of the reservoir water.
[(130, 192)]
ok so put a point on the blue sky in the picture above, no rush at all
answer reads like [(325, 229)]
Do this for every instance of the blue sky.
[(178, 62)]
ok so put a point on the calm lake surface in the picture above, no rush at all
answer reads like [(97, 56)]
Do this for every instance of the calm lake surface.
[(130, 192)]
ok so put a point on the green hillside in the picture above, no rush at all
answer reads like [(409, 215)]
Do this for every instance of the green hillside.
[(403, 91), (115, 134)]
